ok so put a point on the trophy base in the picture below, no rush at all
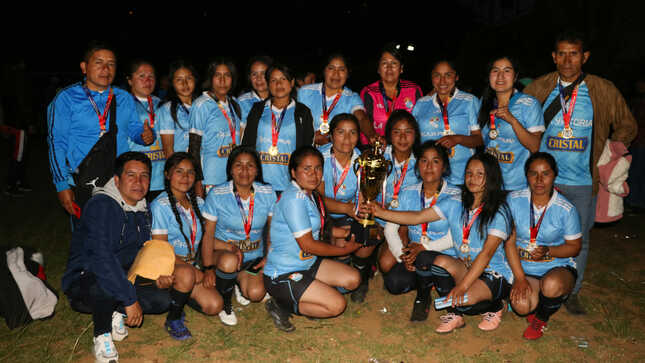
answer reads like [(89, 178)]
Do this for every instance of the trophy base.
[(365, 235), (366, 222)]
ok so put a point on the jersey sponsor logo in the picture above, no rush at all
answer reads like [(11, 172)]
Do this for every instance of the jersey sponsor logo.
[(224, 151), (577, 144), (280, 159), (506, 157), (155, 155), (408, 103), (526, 256), (305, 256)]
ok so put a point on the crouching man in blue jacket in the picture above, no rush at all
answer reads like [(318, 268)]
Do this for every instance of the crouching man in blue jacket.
[(113, 227)]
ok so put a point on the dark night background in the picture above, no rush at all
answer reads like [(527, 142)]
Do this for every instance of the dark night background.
[(42, 45)]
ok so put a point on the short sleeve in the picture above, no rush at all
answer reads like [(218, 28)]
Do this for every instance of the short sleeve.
[(498, 227), (297, 217), (572, 228), (160, 221), (447, 208), (197, 119), (166, 123), (209, 210), (473, 111), (356, 103), (533, 117)]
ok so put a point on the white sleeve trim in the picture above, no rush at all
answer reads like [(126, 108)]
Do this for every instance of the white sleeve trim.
[(394, 243), (539, 128), (159, 231), (197, 132), (270, 214), (498, 233), (439, 212), (358, 108), (301, 233), (167, 132), (474, 128), (210, 217), (572, 236)]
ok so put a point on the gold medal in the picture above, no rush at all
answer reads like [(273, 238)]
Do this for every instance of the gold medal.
[(394, 203), (273, 150), (448, 132), (567, 133), (425, 239), (324, 128), (465, 248), (492, 134)]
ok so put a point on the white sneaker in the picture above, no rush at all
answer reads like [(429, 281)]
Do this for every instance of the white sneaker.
[(240, 298), (228, 319), (266, 297), (119, 330), (104, 349)]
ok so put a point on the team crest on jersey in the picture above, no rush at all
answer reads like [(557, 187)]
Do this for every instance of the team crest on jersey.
[(577, 144), (434, 121), (502, 156), (305, 256), (280, 159), (408, 103)]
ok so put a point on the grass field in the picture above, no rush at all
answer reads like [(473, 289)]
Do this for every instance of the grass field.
[(376, 331)]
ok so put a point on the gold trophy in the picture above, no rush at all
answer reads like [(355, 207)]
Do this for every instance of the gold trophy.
[(374, 169)]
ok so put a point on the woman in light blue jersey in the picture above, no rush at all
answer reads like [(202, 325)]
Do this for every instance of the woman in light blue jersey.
[(541, 252), (512, 122), (450, 116), (141, 78), (174, 115), (256, 70), (477, 279), (298, 280), (176, 218), (236, 214)]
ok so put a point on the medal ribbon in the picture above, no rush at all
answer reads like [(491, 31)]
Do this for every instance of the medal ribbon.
[(325, 110), (492, 121), (193, 233), (247, 221), (275, 126), (566, 116), (535, 228), (102, 117), (422, 196), (150, 110), (466, 228), (231, 123), (338, 184), (321, 209), (399, 182), (388, 111), (444, 113)]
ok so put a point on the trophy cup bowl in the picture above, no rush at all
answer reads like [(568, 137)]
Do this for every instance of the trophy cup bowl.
[(374, 169)]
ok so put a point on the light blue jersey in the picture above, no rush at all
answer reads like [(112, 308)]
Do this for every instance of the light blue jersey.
[(451, 209), (347, 190), (561, 222), (179, 130), (462, 118), (164, 222), (275, 169), (511, 154), (411, 201), (294, 215), (153, 151), (221, 207), (311, 96), (572, 155), (208, 121), (246, 101)]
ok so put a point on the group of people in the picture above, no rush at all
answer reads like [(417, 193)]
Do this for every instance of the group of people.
[(489, 200)]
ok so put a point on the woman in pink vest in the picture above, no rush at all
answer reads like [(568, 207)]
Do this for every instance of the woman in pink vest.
[(388, 94)]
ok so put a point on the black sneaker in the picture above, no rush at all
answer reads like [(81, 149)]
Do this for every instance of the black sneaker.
[(358, 295), (574, 306), (420, 310), (279, 316)]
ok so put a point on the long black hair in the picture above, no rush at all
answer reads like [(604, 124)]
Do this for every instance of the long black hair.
[(489, 96), (172, 97), (494, 199), (173, 161)]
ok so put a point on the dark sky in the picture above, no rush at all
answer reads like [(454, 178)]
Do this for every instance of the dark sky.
[(301, 33)]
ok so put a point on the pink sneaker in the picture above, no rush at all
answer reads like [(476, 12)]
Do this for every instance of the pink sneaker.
[(490, 321), (450, 322)]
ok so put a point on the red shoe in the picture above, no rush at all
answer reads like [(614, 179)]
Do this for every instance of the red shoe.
[(535, 329), (530, 318)]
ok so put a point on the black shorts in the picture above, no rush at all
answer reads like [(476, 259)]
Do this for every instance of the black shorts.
[(497, 284), (288, 288), (248, 266), (567, 267)]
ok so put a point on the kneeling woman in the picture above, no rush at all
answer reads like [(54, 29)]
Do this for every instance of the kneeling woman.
[(547, 239), (477, 279), (176, 218), (298, 280), (236, 213), (423, 240)]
